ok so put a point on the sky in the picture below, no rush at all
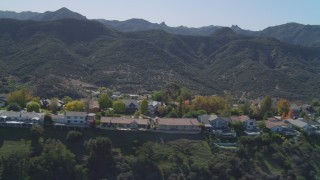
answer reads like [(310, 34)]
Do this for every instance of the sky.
[(247, 14)]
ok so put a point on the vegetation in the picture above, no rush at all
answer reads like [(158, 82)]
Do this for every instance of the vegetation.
[(119, 107), (104, 101), (33, 107), (222, 63), (75, 106), (268, 156)]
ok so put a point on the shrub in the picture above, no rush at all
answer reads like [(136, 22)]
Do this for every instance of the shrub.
[(73, 136)]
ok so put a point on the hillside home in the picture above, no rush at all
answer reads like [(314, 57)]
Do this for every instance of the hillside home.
[(249, 124), (124, 123), (178, 124), (308, 128), (279, 126), (206, 119), (75, 118), (295, 110), (220, 123), (153, 106), (131, 105)]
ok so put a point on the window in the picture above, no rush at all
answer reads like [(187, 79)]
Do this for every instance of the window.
[(251, 123), (68, 117), (81, 117), (75, 117)]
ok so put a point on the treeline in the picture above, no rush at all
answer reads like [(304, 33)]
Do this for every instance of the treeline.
[(268, 156)]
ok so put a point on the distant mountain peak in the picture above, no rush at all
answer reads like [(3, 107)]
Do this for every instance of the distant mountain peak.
[(224, 31)]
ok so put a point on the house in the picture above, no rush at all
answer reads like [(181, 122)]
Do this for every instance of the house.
[(20, 119), (220, 123), (153, 106), (123, 123), (279, 126), (178, 124), (308, 128), (295, 110), (308, 109), (131, 105), (75, 118), (206, 121), (250, 125)]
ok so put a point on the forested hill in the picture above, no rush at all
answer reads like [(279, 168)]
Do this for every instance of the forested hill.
[(46, 56)]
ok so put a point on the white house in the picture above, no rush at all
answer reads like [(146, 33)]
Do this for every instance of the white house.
[(75, 118)]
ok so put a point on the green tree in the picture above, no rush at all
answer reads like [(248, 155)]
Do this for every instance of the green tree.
[(55, 161), (104, 101), (13, 107), (33, 107), (20, 97), (144, 107), (266, 107), (75, 106), (185, 93), (53, 106), (47, 120), (283, 107), (66, 99), (119, 107)]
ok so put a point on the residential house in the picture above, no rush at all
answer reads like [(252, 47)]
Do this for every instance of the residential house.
[(131, 105), (21, 119), (308, 128), (220, 123), (153, 106), (178, 124), (249, 124), (124, 123), (295, 110), (206, 120), (279, 126), (75, 118)]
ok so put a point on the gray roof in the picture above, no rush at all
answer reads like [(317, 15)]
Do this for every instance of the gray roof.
[(127, 102), (297, 123), (75, 113), (206, 118)]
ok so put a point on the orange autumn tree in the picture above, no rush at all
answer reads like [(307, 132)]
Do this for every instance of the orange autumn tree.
[(283, 107)]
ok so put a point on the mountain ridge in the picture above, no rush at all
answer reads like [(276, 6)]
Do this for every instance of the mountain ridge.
[(292, 33), (47, 55)]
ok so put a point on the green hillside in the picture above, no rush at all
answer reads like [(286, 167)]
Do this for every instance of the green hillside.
[(49, 56)]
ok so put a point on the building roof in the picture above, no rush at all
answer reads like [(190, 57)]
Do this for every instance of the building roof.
[(123, 120), (127, 102), (75, 113), (271, 122), (242, 118), (206, 118), (296, 122), (178, 121)]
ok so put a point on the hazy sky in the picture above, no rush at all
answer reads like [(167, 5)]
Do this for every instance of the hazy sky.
[(248, 14)]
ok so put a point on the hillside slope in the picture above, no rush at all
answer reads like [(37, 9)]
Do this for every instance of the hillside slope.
[(46, 56)]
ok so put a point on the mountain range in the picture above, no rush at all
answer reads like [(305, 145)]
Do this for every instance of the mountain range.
[(62, 53)]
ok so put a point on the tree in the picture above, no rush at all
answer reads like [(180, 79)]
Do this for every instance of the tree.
[(20, 97), (75, 106), (66, 99), (283, 107), (13, 107), (104, 101), (266, 107), (119, 107), (33, 107), (53, 106), (47, 120), (144, 107), (185, 93)]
